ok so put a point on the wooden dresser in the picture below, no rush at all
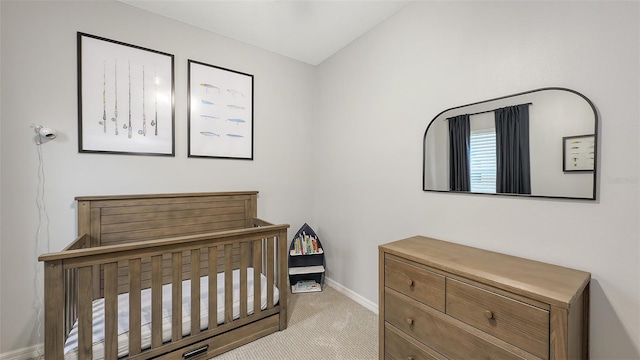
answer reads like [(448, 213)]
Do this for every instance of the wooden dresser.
[(440, 300)]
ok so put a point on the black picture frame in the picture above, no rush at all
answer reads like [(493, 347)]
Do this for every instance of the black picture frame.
[(578, 153), (219, 112), (125, 98)]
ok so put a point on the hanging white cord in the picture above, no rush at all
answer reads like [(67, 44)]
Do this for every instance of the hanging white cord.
[(42, 215)]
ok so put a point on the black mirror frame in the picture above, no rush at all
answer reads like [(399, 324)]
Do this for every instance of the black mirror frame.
[(595, 165)]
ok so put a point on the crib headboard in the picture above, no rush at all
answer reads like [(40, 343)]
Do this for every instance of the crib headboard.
[(122, 219), (112, 220)]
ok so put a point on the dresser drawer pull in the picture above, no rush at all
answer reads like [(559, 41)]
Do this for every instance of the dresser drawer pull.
[(410, 321), (489, 314), (410, 282), (410, 358)]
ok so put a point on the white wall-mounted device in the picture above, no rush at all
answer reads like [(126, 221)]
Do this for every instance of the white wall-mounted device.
[(44, 133)]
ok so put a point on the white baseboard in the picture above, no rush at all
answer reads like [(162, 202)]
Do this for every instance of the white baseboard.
[(351, 295), (24, 353)]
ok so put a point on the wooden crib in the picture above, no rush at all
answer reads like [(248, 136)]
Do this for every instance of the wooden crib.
[(136, 247)]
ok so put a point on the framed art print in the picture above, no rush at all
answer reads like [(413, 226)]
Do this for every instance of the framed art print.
[(125, 98), (578, 153), (220, 112)]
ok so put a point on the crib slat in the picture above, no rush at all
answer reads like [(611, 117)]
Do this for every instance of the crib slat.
[(156, 301), (270, 282), (244, 264), (71, 298), (282, 250), (85, 314), (213, 287), (257, 270), (111, 310), (134, 307), (195, 291), (228, 285), (176, 298), (96, 238), (73, 282)]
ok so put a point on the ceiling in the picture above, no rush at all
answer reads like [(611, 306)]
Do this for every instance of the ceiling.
[(306, 30)]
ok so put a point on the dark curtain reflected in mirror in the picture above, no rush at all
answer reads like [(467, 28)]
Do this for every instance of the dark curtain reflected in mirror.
[(513, 170), (459, 134)]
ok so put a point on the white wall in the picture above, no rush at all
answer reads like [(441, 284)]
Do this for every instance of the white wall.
[(1, 282), (39, 85), (377, 96)]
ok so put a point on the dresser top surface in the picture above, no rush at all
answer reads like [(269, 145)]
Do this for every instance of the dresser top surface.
[(549, 283)]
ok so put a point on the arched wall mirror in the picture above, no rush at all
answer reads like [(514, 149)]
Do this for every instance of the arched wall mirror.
[(556, 136)]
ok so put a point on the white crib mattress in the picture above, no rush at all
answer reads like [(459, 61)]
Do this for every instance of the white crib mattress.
[(71, 345)]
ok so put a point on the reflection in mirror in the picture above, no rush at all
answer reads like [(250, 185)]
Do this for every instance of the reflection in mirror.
[(538, 143)]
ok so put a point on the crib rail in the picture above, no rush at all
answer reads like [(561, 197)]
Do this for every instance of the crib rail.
[(70, 277), (71, 284)]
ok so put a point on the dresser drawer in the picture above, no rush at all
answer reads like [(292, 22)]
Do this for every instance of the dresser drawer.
[(513, 321), (418, 283), (400, 346), (216, 345), (440, 333)]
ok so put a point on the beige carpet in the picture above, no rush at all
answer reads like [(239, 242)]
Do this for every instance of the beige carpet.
[(322, 325)]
